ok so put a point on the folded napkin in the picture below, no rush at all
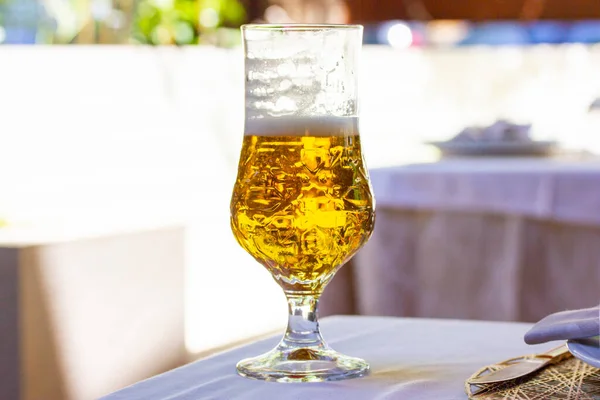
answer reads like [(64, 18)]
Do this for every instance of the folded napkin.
[(574, 324)]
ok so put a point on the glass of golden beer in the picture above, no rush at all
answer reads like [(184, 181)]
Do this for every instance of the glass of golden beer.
[(302, 203)]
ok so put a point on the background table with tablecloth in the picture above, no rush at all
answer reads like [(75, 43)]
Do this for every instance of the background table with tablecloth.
[(483, 238)]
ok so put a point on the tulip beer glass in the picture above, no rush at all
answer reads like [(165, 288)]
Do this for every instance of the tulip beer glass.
[(302, 203)]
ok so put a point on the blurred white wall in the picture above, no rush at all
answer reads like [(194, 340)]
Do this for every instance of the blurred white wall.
[(126, 135)]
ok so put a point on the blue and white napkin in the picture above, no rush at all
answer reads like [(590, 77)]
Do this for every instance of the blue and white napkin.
[(566, 325)]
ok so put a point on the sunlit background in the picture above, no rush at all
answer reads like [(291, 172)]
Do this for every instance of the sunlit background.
[(127, 114)]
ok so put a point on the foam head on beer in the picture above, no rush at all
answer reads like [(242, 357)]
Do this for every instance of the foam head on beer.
[(320, 126)]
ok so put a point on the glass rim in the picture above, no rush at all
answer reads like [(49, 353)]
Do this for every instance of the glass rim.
[(300, 27)]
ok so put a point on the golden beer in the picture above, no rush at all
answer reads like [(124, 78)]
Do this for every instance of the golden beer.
[(302, 203)]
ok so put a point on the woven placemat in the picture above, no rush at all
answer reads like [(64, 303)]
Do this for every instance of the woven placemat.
[(569, 379)]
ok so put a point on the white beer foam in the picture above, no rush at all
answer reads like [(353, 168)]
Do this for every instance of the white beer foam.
[(301, 126)]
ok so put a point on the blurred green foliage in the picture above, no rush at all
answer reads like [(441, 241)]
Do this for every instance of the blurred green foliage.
[(184, 22)]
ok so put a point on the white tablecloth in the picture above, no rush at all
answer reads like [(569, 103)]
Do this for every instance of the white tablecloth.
[(413, 359), (560, 190)]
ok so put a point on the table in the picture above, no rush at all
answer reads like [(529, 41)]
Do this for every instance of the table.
[(410, 359), (497, 239), (88, 308)]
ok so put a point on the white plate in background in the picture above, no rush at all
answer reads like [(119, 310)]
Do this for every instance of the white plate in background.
[(479, 149)]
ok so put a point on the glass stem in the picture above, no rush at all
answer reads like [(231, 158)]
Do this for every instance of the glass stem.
[(303, 325)]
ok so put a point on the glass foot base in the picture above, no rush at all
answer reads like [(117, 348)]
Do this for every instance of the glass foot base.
[(302, 365)]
